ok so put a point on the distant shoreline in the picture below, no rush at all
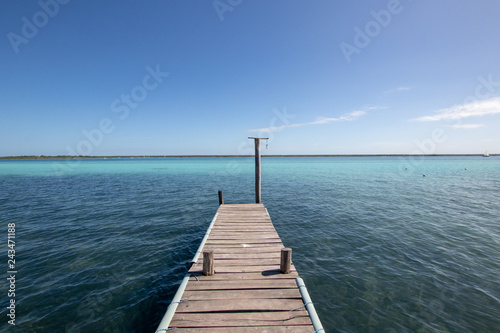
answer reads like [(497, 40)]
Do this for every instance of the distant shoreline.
[(64, 157)]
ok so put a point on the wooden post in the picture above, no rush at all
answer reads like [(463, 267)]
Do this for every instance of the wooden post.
[(257, 171), (221, 198), (257, 168), (208, 263), (286, 261)]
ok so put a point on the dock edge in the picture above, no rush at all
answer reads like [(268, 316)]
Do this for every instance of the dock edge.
[(309, 306), (169, 314), (204, 240), (167, 318)]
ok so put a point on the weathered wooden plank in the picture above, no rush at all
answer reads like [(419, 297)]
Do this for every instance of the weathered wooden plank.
[(244, 228), (225, 232), (242, 231), (236, 232), (261, 236), (261, 304), (239, 269), (246, 249), (237, 241), (247, 285), (250, 261), (245, 246), (240, 320), (243, 262), (243, 214), (245, 220), (244, 217), (199, 295), (246, 276), (251, 255), (264, 316), (259, 259), (246, 224), (235, 221), (253, 329), (243, 205), (244, 211)]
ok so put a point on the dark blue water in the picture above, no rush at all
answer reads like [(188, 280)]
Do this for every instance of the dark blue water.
[(101, 245)]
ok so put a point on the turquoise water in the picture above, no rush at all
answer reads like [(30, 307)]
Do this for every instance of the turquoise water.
[(101, 245)]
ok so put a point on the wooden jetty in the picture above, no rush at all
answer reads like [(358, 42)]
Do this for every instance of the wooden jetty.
[(242, 278), (251, 290)]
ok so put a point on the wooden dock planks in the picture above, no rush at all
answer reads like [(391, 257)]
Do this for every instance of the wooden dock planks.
[(247, 292)]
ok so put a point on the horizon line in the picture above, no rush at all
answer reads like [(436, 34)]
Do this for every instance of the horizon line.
[(225, 156)]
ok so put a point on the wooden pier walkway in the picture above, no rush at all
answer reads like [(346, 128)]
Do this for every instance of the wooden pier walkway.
[(247, 293)]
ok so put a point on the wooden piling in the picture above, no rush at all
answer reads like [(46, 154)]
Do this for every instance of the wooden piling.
[(257, 168), (221, 198), (286, 261), (257, 171), (208, 263)]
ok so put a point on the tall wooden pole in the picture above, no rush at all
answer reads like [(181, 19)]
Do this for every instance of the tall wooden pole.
[(257, 171), (257, 168)]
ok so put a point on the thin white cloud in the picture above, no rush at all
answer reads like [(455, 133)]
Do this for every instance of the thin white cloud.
[(390, 91), (467, 126), (319, 121), (472, 109)]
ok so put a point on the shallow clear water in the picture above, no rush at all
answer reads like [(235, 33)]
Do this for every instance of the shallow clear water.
[(101, 245)]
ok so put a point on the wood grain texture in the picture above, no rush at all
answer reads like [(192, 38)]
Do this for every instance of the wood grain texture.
[(247, 293)]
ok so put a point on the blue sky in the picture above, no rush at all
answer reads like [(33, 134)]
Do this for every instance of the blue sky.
[(199, 77)]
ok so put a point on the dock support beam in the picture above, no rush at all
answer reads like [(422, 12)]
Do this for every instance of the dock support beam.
[(208, 263), (286, 261), (221, 198), (257, 168)]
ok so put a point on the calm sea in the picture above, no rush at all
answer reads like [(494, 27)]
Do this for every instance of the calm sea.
[(102, 245)]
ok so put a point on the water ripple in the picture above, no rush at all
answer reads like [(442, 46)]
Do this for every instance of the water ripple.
[(103, 249)]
